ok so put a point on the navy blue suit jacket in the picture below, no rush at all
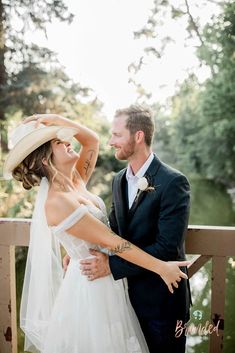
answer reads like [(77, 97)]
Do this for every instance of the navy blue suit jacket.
[(157, 223)]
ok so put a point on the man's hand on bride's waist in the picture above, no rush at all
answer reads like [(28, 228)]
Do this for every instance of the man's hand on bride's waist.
[(96, 267)]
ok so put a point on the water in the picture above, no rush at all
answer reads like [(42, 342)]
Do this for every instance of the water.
[(211, 205)]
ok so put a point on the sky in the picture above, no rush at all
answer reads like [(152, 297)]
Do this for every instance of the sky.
[(99, 45)]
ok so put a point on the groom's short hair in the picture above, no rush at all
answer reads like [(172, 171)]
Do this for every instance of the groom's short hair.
[(140, 118)]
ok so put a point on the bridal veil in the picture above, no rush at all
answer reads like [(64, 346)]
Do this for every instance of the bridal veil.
[(43, 275)]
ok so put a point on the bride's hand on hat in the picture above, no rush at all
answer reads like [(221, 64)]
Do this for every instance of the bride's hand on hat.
[(47, 119)]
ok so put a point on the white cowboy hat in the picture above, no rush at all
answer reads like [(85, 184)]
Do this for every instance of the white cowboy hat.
[(26, 138)]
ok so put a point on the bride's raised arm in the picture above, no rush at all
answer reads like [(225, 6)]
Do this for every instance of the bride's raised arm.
[(88, 139), (90, 229)]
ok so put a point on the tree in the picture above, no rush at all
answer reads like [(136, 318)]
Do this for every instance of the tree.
[(201, 119), (15, 54), (185, 120), (218, 99), (166, 18)]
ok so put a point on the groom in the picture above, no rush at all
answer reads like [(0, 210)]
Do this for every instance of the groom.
[(154, 218)]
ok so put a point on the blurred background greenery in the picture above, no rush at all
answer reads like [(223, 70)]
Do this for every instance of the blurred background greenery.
[(195, 127)]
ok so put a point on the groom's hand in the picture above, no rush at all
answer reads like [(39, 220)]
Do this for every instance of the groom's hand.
[(66, 260), (96, 267)]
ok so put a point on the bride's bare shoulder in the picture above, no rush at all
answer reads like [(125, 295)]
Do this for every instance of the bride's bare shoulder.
[(58, 206)]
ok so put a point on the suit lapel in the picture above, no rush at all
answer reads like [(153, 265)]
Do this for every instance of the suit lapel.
[(149, 175), (121, 201)]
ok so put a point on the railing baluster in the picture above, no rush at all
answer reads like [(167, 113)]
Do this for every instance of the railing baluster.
[(197, 263), (218, 302), (8, 329)]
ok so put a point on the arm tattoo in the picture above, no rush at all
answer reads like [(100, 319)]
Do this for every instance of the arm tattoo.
[(125, 245), (87, 165), (120, 248)]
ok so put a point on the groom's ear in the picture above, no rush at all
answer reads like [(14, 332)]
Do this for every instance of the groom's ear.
[(139, 136)]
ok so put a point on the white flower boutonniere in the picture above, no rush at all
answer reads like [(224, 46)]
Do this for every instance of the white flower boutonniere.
[(143, 185)]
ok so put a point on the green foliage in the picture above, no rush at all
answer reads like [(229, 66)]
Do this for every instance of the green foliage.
[(162, 137), (16, 54), (22, 16), (217, 103), (185, 118), (15, 201), (197, 130), (34, 89)]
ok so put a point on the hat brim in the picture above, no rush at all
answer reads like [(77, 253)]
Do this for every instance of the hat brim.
[(29, 144)]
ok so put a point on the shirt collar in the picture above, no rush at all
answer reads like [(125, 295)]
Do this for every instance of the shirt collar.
[(142, 170)]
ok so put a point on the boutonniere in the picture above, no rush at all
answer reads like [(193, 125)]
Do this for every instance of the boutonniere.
[(143, 185)]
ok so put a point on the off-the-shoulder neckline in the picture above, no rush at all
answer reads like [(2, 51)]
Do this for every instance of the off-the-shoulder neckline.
[(82, 206)]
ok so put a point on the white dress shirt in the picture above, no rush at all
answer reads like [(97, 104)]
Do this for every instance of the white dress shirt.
[(132, 179)]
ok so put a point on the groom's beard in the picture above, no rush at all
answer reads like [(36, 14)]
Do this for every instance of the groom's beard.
[(126, 151)]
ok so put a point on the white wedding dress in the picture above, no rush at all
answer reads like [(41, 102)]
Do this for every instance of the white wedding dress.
[(90, 316)]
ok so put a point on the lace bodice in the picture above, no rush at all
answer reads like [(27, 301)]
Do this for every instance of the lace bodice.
[(75, 247)]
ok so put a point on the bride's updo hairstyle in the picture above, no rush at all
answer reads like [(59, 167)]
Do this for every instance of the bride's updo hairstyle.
[(31, 155), (31, 170), (39, 164)]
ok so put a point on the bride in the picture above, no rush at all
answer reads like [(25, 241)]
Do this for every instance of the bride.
[(70, 314)]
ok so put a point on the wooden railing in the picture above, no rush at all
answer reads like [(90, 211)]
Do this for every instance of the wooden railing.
[(206, 242)]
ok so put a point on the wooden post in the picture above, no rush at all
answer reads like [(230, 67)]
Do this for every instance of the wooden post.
[(218, 302), (8, 327), (12, 233)]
